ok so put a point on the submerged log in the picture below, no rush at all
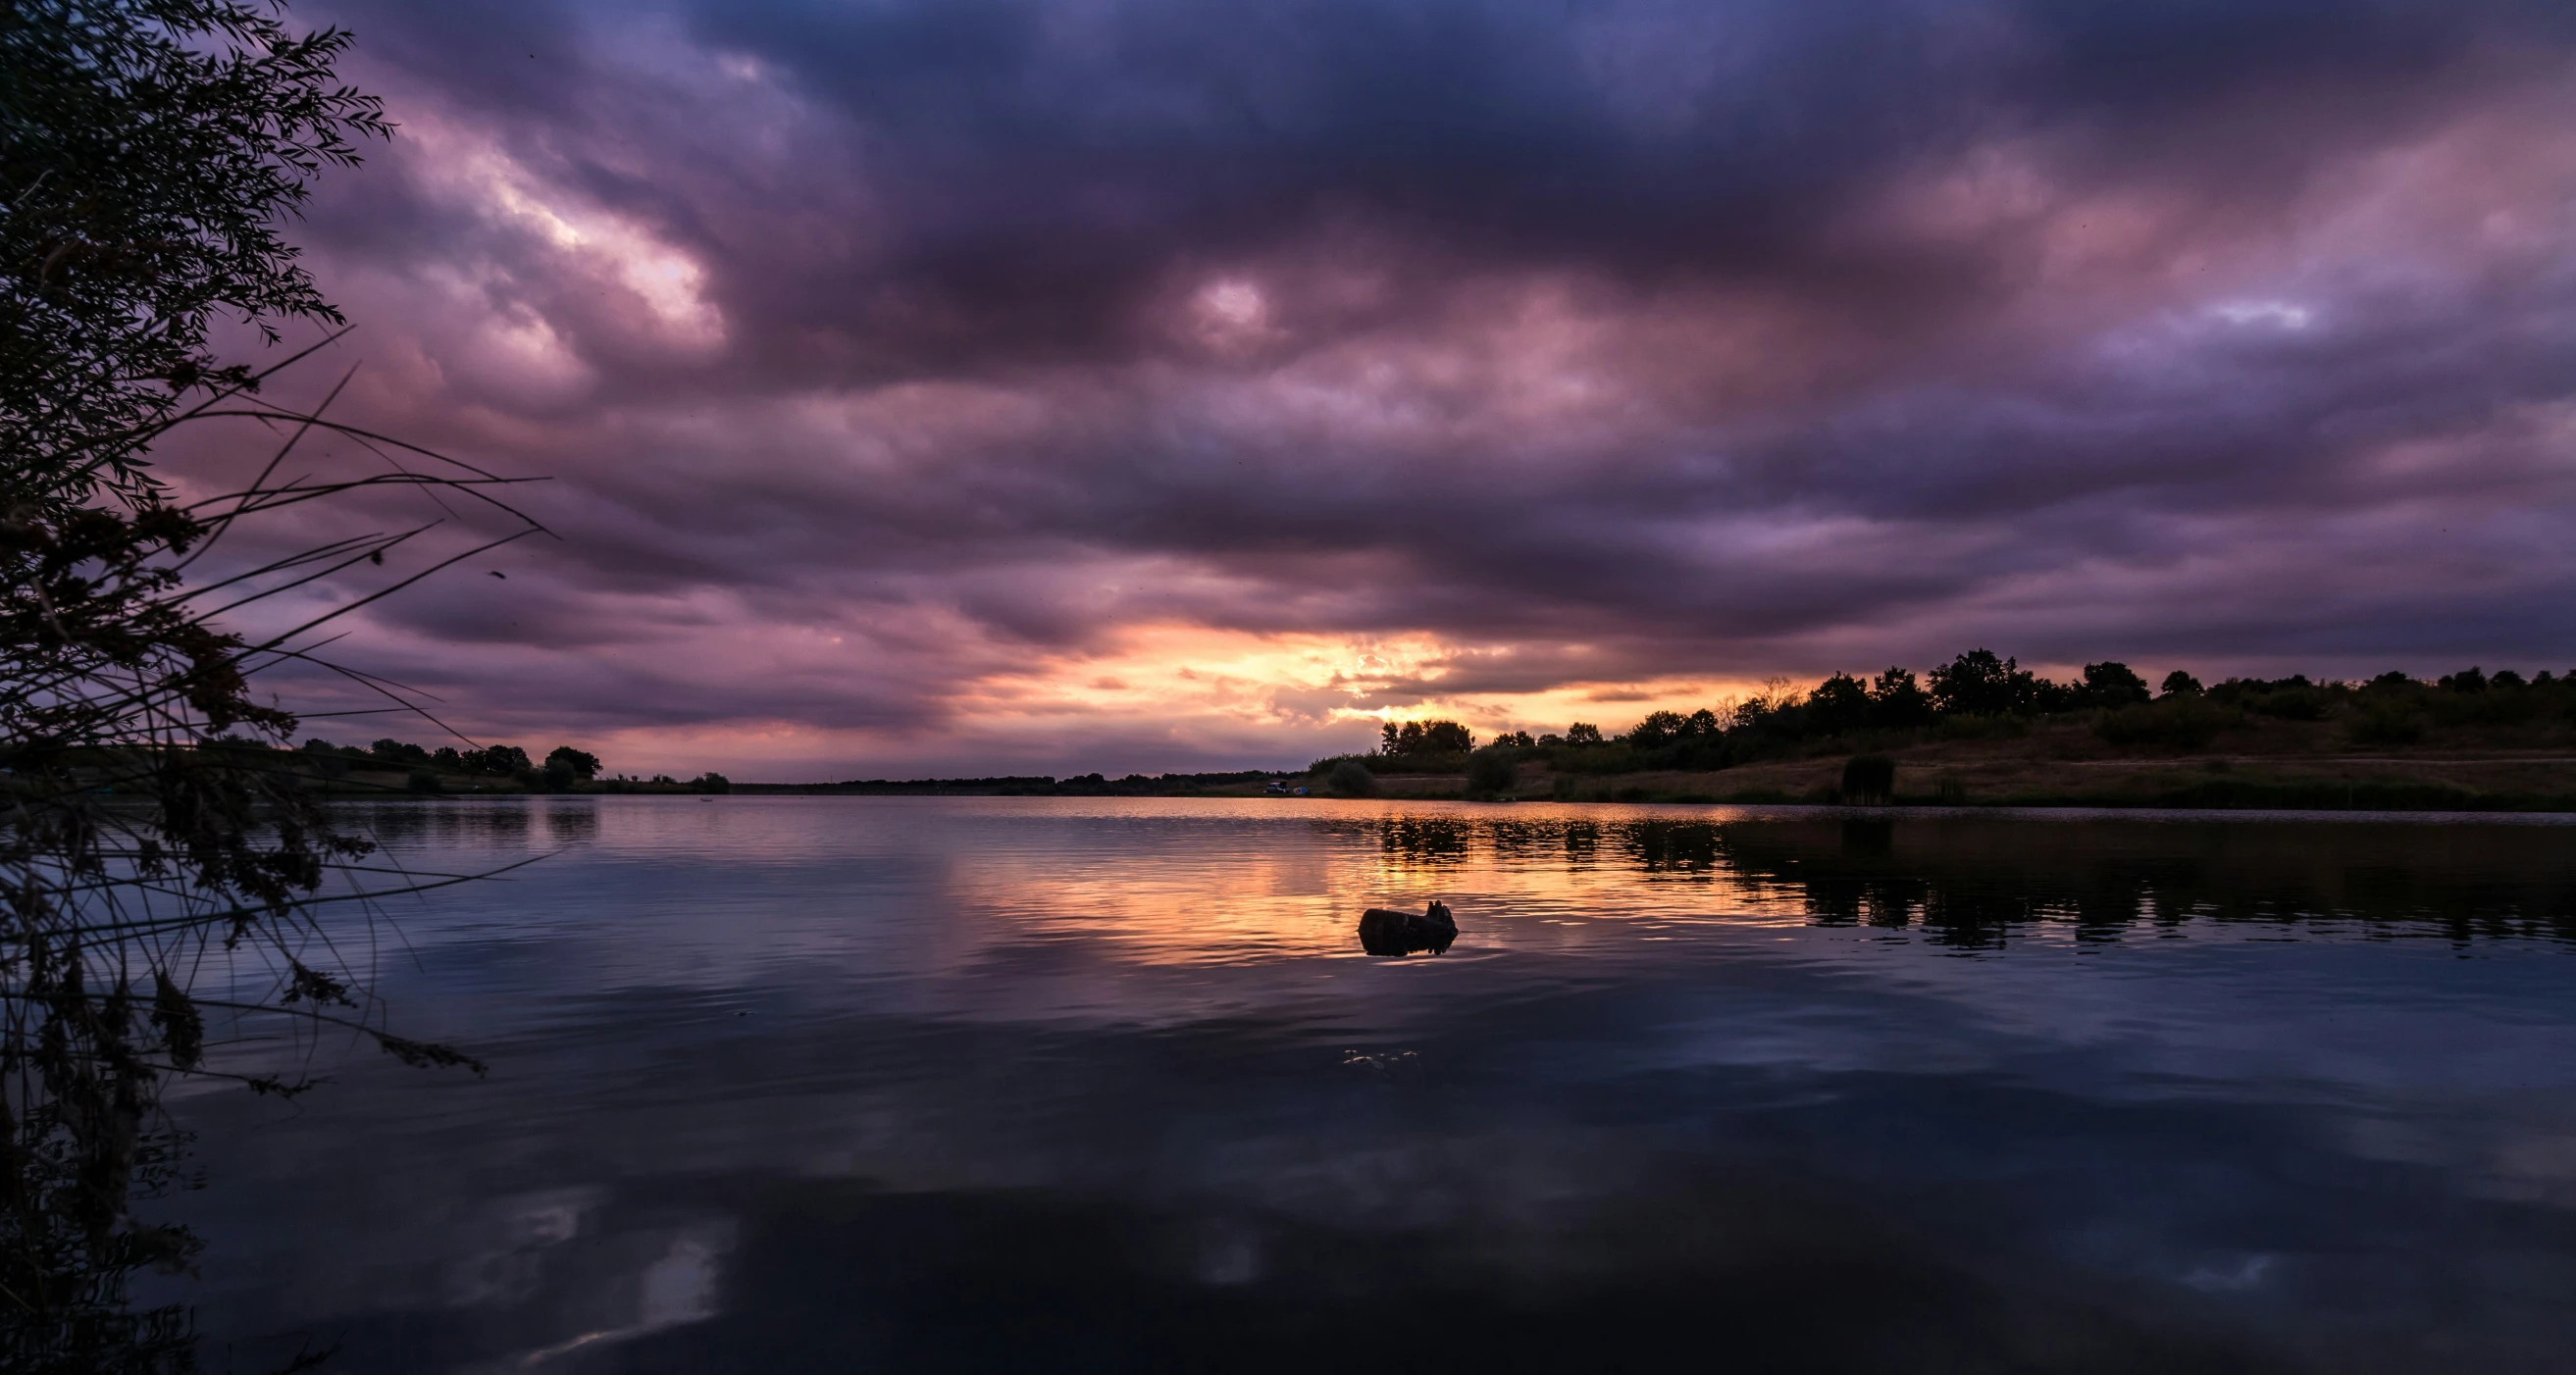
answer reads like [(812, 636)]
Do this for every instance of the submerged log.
[(1386, 932)]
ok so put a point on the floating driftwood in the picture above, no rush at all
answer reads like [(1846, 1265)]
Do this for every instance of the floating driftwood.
[(1385, 932)]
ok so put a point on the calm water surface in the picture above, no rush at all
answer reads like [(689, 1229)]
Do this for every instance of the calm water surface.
[(846, 1084)]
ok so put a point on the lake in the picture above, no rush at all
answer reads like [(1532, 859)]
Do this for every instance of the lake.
[(846, 1084)]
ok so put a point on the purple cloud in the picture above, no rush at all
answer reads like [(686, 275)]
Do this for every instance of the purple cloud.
[(905, 370)]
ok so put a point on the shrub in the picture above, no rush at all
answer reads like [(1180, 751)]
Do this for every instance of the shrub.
[(1351, 778), (421, 781), (1869, 778), (2294, 704), (2180, 723), (2388, 726), (1490, 771), (1979, 728), (2503, 708)]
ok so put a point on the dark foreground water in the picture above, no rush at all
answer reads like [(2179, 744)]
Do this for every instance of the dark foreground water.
[(837, 1084)]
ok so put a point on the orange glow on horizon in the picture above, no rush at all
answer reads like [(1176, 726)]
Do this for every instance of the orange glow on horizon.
[(1170, 691)]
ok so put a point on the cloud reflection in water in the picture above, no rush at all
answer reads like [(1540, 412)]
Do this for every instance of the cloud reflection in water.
[(1045, 1082)]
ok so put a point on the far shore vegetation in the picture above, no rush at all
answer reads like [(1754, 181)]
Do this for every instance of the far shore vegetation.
[(397, 766), (1979, 730), (1983, 729)]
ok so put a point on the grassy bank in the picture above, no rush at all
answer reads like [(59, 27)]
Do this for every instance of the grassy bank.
[(2256, 762)]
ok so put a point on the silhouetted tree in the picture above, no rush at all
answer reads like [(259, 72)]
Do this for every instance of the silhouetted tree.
[(579, 763), (1426, 737), (504, 760), (1979, 684), (397, 753), (1660, 728), (1838, 706), (1897, 702), (2181, 684), (2112, 684), (152, 148), (1583, 733)]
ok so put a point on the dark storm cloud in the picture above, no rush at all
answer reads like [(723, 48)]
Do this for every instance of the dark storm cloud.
[(1622, 340), (1051, 162), (1034, 172)]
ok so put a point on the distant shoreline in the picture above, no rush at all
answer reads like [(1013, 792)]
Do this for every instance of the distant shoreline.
[(2282, 786), (2268, 765)]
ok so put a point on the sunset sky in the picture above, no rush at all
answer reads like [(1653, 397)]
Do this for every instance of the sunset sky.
[(967, 386)]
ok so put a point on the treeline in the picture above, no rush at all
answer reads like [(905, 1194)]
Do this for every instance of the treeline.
[(1047, 785), (426, 770), (1979, 694)]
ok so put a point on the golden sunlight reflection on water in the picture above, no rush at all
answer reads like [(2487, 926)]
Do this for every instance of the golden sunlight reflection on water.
[(1300, 893), (1179, 882)]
